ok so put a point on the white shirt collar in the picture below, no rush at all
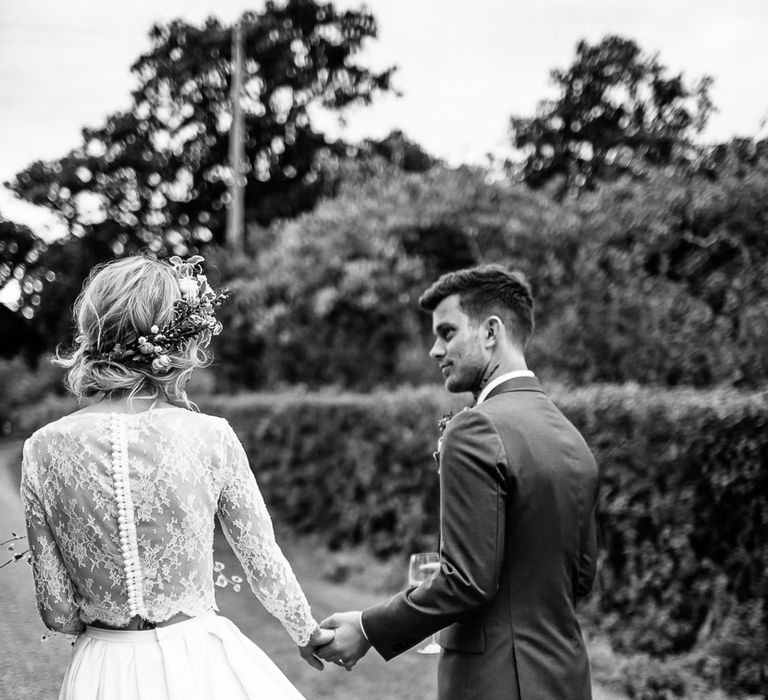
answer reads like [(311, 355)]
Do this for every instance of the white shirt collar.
[(490, 386)]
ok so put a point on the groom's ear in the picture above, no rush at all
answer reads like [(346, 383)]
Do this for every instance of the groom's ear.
[(493, 328)]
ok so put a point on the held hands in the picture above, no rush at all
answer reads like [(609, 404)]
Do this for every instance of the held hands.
[(319, 638), (348, 644)]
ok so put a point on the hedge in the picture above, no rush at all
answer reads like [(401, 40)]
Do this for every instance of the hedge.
[(684, 521), (357, 468), (683, 512)]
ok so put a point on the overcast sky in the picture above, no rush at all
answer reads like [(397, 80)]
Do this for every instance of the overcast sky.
[(464, 66)]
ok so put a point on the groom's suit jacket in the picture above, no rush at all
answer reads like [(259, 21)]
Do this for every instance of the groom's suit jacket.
[(518, 490)]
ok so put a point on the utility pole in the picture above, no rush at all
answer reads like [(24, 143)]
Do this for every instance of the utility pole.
[(235, 216)]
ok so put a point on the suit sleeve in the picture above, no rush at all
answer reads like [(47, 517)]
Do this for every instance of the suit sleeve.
[(473, 494), (587, 569)]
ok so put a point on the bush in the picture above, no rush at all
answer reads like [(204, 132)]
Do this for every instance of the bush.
[(23, 387), (658, 281), (733, 655), (357, 468), (33, 397), (51, 407), (684, 507), (684, 514)]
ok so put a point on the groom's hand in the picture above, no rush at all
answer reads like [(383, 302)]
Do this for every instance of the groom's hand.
[(319, 638), (349, 645)]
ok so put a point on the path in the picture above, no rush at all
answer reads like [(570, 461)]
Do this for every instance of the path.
[(31, 669)]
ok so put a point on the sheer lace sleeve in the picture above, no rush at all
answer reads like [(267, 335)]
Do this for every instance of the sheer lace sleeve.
[(53, 587), (248, 527)]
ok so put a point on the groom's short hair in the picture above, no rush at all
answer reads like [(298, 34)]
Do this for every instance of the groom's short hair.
[(484, 291)]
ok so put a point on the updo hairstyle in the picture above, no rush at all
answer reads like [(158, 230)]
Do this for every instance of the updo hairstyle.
[(120, 302)]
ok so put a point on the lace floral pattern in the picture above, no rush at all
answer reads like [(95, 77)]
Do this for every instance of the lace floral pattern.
[(120, 518)]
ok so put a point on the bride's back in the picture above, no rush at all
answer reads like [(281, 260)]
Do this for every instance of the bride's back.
[(130, 499), (120, 500)]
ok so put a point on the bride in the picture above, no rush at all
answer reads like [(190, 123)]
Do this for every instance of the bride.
[(120, 499)]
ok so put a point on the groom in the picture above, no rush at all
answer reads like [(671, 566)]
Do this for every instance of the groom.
[(518, 487)]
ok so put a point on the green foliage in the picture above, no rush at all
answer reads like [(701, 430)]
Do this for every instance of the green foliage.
[(656, 282), (398, 149), (617, 112), (156, 177), (683, 510), (733, 655), (649, 679), (19, 247), (17, 336), (684, 502), (157, 174), (23, 389), (358, 469), (332, 297)]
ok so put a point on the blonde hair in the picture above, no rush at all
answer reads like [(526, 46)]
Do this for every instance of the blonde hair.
[(120, 302)]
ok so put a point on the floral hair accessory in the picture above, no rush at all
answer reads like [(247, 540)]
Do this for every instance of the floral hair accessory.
[(193, 317)]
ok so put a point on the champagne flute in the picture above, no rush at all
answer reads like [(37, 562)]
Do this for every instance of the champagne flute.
[(422, 566)]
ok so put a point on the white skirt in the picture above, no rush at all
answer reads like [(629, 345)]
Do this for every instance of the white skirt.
[(205, 658)]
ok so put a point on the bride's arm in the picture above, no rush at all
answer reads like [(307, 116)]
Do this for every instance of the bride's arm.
[(248, 527), (54, 590)]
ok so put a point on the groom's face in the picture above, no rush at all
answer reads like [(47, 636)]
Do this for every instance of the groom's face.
[(458, 347)]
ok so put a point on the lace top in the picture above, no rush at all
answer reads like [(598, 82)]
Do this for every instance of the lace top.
[(120, 518)]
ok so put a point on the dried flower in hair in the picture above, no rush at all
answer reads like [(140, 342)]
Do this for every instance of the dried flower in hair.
[(188, 288), (161, 363), (193, 318)]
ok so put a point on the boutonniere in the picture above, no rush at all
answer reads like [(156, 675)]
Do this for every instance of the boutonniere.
[(442, 424)]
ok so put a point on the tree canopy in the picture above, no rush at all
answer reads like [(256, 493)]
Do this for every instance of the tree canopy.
[(657, 281), (155, 177), (617, 112), (654, 279)]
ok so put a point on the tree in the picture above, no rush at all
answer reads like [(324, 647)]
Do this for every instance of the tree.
[(617, 112), (156, 177), (332, 299), (19, 248), (659, 281), (398, 149)]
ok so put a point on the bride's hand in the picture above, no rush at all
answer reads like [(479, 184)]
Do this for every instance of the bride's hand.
[(320, 637)]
